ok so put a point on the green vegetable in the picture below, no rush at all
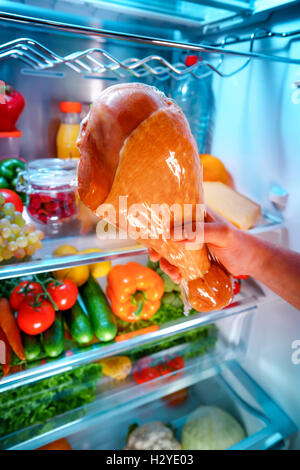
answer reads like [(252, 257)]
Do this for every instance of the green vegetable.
[(3, 182), (99, 310), (54, 337), (79, 323), (211, 428), (9, 170), (40, 401), (131, 428), (170, 286), (173, 299), (32, 346), (201, 339), (10, 166)]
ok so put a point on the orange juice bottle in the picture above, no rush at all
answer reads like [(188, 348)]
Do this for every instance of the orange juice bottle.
[(68, 130)]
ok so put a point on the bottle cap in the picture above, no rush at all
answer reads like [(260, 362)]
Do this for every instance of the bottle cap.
[(7, 134), (278, 196), (70, 107), (191, 60)]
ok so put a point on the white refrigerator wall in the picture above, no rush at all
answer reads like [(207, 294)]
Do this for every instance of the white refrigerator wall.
[(257, 135)]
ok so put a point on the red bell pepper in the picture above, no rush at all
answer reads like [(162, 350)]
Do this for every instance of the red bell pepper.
[(11, 109)]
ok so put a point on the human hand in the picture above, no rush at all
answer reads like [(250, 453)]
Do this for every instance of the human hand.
[(233, 248)]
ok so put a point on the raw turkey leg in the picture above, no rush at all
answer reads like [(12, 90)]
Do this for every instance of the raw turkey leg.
[(137, 144)]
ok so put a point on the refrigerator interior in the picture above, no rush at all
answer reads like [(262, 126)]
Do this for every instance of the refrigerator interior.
[(231, 390), (255, 133)]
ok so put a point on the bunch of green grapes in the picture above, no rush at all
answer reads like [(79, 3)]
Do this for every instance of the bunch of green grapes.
[(17, 239)]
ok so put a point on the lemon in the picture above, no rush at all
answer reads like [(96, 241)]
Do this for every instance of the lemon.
[(64, 250), (98, 269), (90, 250), (78, 275)]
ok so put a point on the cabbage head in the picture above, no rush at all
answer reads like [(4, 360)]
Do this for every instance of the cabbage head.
[(211, 428)]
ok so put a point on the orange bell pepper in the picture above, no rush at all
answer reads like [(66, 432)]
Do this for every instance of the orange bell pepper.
[(134, 291)]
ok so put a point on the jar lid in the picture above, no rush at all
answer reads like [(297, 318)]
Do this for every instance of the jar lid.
[(7, 134), (70, 107), (51, 172)]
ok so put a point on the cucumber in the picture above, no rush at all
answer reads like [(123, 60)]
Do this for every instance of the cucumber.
[(99, 310), (79, 323), (54, 337), (32, 346)]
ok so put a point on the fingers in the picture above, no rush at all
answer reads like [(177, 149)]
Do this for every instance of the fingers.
[(153, 255), (170, 270), (191, 231), (165, 266), (215, 233), (212, 216)]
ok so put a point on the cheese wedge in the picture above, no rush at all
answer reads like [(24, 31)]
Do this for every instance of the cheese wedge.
[(238, 209)]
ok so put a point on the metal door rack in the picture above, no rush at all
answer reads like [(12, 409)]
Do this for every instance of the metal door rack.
[(99, 61)]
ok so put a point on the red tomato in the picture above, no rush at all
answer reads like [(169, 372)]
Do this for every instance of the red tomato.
[(63, 295), (11, 196), (35, 320), (146, 369), (176, 398), (143, 371), (23, 291), (174, 364)]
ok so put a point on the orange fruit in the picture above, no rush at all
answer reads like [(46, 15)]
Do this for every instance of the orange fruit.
[(213, 169), (60, 444)]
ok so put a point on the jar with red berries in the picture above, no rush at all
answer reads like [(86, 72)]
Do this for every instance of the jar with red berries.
[(51, 185)]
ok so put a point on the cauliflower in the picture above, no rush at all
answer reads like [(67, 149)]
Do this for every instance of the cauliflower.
[(152, 436)]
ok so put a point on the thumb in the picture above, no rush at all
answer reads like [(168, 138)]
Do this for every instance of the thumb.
[(215, 234)]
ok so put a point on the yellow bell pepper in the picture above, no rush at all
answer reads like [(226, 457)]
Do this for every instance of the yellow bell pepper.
[(118, 367)]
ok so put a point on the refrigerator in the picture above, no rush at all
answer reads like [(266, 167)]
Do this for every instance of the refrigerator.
[(244, 359)]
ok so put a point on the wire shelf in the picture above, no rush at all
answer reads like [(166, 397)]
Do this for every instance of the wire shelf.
[(98, 61)]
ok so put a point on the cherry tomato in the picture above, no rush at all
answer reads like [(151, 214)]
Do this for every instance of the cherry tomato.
[(25, 290), (241, 276), (174, 364), (176, 398), (11, 196), (35, 320), (143, 371), (236, 286), (63, 295), (146, 369)]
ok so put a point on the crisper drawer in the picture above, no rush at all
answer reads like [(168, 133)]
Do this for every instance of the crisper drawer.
[(97, 384), (262, 421), (85, 400)]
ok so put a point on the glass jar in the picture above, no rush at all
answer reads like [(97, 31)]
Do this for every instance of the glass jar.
[(51, 185)]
